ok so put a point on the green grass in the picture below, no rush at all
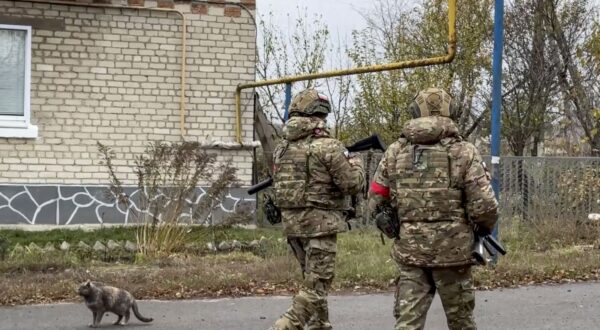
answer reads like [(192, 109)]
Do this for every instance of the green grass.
[(40, 262), (197, 235), (204, 235), (362, 258), (57, 236)]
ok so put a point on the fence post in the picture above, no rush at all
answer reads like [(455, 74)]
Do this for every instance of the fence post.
[(497, 99)]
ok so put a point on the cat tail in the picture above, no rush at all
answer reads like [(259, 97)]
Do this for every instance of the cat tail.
[(137, 314)]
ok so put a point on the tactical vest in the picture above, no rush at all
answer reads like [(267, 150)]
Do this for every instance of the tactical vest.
[(424, 185), (301, 181)]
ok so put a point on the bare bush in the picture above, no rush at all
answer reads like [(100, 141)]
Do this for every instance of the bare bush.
[(168, 175)]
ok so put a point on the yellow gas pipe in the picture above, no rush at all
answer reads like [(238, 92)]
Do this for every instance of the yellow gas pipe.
[(447, 58)]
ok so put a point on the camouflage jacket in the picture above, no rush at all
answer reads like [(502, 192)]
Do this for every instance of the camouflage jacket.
[(440, 187), (312, 177)]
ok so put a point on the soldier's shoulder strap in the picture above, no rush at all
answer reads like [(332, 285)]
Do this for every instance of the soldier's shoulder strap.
[(280, 149)]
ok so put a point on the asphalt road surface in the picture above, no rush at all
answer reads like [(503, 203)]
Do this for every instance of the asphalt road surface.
[(573, 306)]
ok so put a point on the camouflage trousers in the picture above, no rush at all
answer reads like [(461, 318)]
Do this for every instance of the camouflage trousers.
[(309, 308), (415, 290)]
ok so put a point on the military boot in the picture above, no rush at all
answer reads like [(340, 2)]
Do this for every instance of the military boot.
[(285, 324), (320, 319), (297, 315)]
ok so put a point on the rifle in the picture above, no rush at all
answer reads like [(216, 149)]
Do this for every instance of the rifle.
[(484, 240), (372, 142)]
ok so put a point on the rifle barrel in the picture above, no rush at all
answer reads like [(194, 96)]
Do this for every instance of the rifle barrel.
[(260, 186)]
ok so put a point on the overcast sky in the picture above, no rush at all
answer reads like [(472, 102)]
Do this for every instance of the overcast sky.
[(341, 16)]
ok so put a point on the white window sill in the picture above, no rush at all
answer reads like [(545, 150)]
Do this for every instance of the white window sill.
[(29, 132)]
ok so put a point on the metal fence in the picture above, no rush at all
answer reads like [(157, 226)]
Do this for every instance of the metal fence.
[(541, 188)]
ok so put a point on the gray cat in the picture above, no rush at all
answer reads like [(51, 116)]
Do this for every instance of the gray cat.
[(100, 298)]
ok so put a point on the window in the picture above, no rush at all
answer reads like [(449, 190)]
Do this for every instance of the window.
[(15, 73)]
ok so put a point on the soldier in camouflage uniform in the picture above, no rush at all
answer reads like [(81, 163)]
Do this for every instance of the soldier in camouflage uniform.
[(312, 175), (441, 190)]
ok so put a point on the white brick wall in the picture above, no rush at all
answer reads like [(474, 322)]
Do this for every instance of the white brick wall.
[(113, 76)]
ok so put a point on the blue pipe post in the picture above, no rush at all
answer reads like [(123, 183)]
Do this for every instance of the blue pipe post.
[(288, 100), (497, 98)]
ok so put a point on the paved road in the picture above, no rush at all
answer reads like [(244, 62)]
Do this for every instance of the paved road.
[(574, 306)]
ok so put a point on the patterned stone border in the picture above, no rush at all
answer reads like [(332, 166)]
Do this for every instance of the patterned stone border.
[(68, 205)]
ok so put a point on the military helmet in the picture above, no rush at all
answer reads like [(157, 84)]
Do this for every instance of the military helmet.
[(309, 103), (431, 102)]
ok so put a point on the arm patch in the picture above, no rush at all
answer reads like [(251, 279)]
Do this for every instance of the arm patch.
[(380, 190)]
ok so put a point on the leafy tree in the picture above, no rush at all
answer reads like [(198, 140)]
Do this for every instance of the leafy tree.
[(551, 65), (398, 31)]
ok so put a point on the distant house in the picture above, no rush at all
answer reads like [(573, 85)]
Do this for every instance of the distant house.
[(74, 73)]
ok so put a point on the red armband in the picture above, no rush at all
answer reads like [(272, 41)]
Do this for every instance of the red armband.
[(380, 190)]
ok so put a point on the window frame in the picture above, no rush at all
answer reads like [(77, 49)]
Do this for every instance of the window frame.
[(20, 126)]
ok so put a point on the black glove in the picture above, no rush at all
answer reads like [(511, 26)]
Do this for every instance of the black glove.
[(386, 220), (272, 212), (481, 231)]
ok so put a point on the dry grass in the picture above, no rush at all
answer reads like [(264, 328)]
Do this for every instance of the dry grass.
[(161, 239), (364, 261), (235, 274), (549, 251), (555, 252)]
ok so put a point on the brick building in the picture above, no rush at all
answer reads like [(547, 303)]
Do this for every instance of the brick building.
[(74, 73)]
